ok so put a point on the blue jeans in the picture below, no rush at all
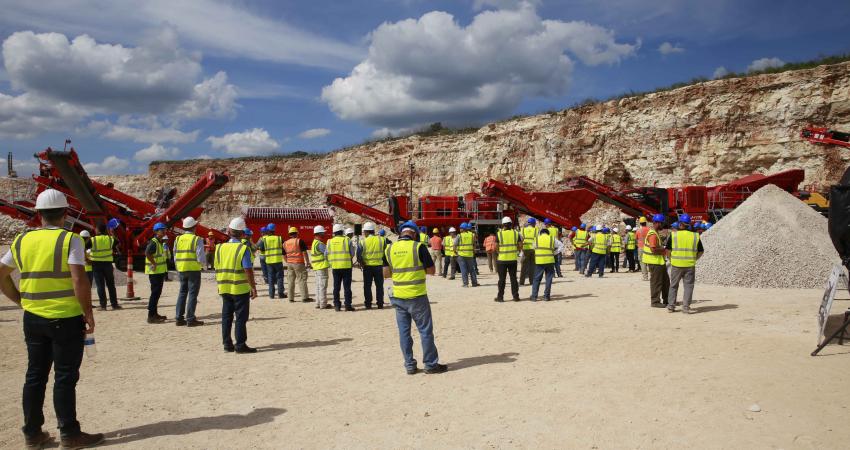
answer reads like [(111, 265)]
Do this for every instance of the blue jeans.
[(419, 310), (558, 259), (597, 262), (342, 278), (373, 274), (190, 284), (265, 268), (540, 269), (234, 307), (584, 258), (275, 274), (467, 269)]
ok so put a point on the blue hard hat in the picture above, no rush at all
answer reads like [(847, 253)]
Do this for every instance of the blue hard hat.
[(547, 221), (248, 232), (573, 228), (684, 218), (113, 223), (409, 224), (675, 224), (159, 226), (423, 228), (270, 227), (658, 218), (532, 221), (382, 233), (583, 226), (708, 225), (606, 230)]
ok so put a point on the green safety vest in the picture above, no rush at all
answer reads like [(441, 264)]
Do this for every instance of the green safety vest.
[(651, 258), (185, 253), (273, 245), (580, 239), (466, 246), (339, 255), (317, 258), (616, 243), (229, 274), (545, 251), (159, 259), (632, 240), (423, 238), (600, 242), (508, 240), (373, 250), (684, 247), (408, 271), (449, 246), (529, 233), (101, 248), (47, 289)]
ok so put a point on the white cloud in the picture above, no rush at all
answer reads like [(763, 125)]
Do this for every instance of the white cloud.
[(478, 5), (27, 115), (765, 63), (156, 152), (720, 72), (213, 97), (155, 134), (314, 133), (667, 48), (247, 143), (109, 166), (433, 69)]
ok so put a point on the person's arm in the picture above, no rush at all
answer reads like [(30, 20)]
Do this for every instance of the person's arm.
[(248, 265), (200, 254), (7, 286), (82, 290), (150, 251), (700, 250), (427, 262)]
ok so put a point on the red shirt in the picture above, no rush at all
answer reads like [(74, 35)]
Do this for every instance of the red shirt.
[(436, 242), (640, 235), (490, 244)]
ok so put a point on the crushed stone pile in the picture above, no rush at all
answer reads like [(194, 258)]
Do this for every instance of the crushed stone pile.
[(605, 214), (773, 240)]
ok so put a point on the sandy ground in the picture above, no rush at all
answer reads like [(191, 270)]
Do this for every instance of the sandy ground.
[(594, 368)]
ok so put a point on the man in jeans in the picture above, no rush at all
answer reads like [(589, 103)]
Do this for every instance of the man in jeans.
[(234, 275), (683, 248), (653, 258), (544, 263), (57, 316), (272, 246), (450, 252), (189, 257), (156, 270), (465, 245), (407, 263)]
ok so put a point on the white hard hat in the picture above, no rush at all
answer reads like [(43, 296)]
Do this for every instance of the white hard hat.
[(318, 229), (628, 228), (599, 227), (237, 224), (506, 220), (85, 233), (349, 231), (338, 227), (616, 230), (368, 226), (51, 199), (189, 222), (452, 230)]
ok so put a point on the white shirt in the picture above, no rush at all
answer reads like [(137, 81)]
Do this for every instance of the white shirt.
[(76, 254), (559, 247)]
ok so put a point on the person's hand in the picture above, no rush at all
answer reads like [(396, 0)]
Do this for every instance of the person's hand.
[(153, 267), (253, 292), (89, 319)]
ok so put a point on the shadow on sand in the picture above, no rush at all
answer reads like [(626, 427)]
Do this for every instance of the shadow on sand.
[(301, 344), (465, 363)]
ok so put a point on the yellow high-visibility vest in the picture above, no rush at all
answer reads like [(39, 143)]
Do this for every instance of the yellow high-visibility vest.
[(159, 259), (466, 246), (632, 243), (101, 248), (651, 258), (373, 250), (229, 274), (580, 239), (273, 246), (317, 258), (408, 270), (339, 255), (684, 247), (186, 253), (545, 251), (600, 244), (508, 240), (47, 289), (529, 233), (449, 246), (616, 243)]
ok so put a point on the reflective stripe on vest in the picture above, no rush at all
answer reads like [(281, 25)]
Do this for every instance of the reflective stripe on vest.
[(507, 240), (529, 234), (580, 239), (229, 273), (339, 253), (466, 246), (616, 243), (408, 271), (292, 248), (159, 259), (684, 249), (650, 258), (47, 289), (317, 258), (186, 253), (101, 248), (632, 240), (373, 250), (449, 246), (545, 251), (600, 244), (273, 245)]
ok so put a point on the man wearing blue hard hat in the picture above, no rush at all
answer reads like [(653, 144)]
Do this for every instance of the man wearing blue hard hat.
[(156, 270), (527, 269), (261, 254), (465, 246), (683, 248), (407, 263), (653, 257)]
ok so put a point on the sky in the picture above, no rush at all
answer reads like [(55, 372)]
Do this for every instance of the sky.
[(131, 82)]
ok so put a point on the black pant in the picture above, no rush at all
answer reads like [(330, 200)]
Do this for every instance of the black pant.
[(236, 306), (614, 261), (342, 277), (376, 274), (90, 274), (630, 257), (105, 279), (56, 342), (156, 281), (504, 268)]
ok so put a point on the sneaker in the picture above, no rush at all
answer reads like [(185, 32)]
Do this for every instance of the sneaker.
[(37, 441), (195, 323), (81, 440), (180, 322), (687, 311), (246, 349), (412, 371), (439, 368), (671, 309)]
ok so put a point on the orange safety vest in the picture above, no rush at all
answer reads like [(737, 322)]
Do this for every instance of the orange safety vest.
[(292, 248)]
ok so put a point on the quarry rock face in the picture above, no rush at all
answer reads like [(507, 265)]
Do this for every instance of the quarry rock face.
[(706, 133)]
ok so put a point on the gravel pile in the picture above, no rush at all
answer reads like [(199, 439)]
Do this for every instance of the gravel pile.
[(605, 214), (773, 240)]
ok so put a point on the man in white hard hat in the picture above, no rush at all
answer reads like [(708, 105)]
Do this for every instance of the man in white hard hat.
[(87, 242), (509, 243), (370, 254), (319, 261), (450, 252), (340, 252), (630, 245), (234, 274), (189, 258), (55, 295)]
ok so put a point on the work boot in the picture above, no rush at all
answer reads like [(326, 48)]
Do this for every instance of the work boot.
[(368, 306), (37, 441), (101, 308), (308, 300), (412, 371), (180, 322), (475, 285), (195, 323), (155, 319), (350, 308), (246, 349), (81, 440), (497, 299), (380, 306), (439, 368), (516, 299), (116, 306), (337, 308)]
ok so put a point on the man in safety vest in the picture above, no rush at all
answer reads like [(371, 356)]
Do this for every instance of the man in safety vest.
[(55, 295), (653, 258), (370, 253), (423, 235), (599, 247), (529, 237), (340, 252), (450, 252), (436, 249), (580, 243), (293, 251), (555, 232), (319, 261), (465, 245), (86, 236), (102, 247), (189, 258), (616, 246), (261, 255), (272, 247), (631, 247), (544, 264), (508, 243), (640, 236), (234, 275), (683, 248), (156, 270), (408, 261)]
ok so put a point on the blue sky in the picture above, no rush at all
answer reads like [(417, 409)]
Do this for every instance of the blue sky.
[(130, 81)]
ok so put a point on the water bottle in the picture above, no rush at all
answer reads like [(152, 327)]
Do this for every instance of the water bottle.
[(91, 348)]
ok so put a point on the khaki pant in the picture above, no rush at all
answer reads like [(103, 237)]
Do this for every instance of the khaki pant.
[(321, 288), (437, 256), (491, 260), (644, 268), (659, 285), (687, 276), (296, 272)]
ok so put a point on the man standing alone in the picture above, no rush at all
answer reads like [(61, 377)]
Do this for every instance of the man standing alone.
[(188, 258)]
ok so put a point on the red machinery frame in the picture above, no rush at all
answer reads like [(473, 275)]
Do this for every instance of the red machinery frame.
[(564, 208), (302, 218), (821, 135)]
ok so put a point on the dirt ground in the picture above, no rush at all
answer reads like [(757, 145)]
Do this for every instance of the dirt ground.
[(594, 368)]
